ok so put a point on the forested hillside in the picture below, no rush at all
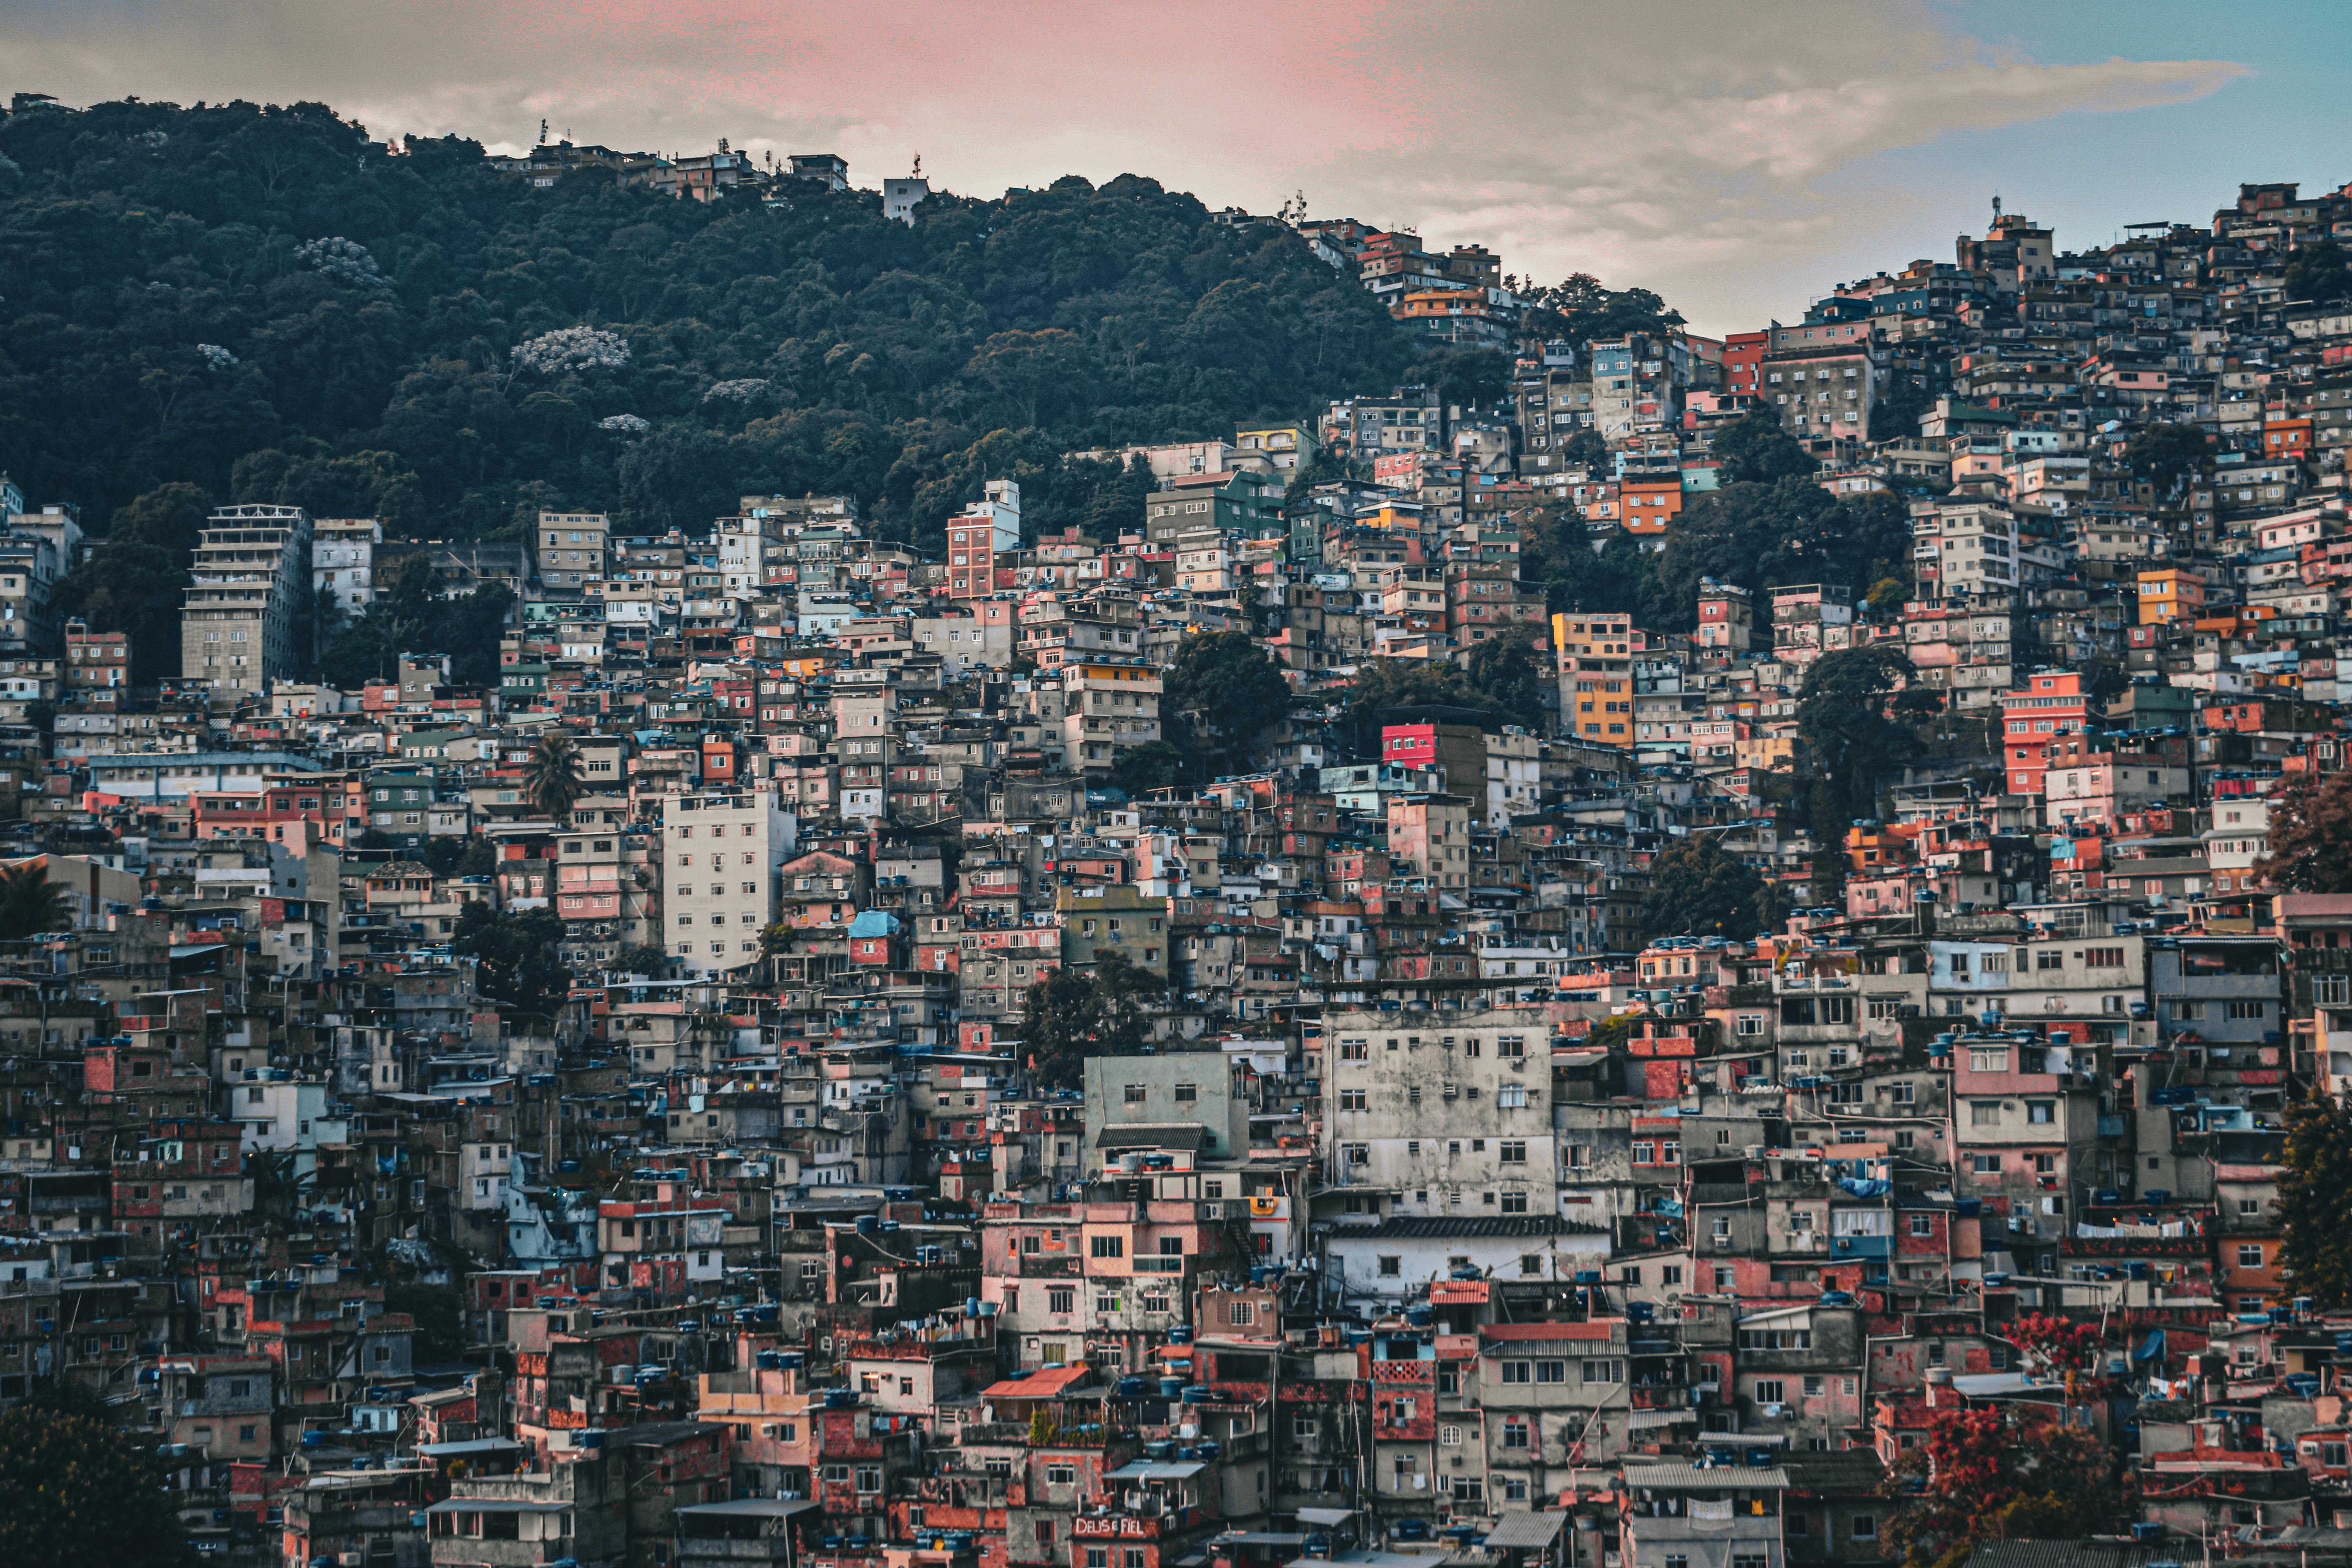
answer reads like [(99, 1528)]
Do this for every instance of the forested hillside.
[(260, 303)]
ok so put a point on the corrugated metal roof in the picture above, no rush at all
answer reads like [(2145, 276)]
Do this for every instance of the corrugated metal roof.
[(1531, 1531), (1709, 1478)]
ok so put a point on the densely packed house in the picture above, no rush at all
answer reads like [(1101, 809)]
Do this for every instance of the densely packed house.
[(854, 1120)]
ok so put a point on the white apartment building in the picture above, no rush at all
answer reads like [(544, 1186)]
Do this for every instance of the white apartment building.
[(1973, 545), (1514, 775), (343, 560), (1444, 1117), (721, 853)]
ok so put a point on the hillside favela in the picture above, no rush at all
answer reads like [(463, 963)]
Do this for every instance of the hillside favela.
[(708, 860)]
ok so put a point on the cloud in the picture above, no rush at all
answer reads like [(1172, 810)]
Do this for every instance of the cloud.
[(1695, 147), (1737, 147)]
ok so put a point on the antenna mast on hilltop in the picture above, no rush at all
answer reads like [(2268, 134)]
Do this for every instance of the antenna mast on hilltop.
[(543, 133), (917, 173)]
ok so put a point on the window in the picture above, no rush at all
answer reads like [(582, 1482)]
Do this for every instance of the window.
[(1984, 1113), (1994, 1061), (1603, 1372), (1512, 1152), (1865, 1527), (1186, 1093), (1551, 1372), (1061, 1298), (1389, 1268), (2250, 1255), (1923, 1224), (1515, 1433), (2041, 1113), (1515, 1370), (1136, 1094), (1351, 1098), (1106, 1246), (1770, 1391)]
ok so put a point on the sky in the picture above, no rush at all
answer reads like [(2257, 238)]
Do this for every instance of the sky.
[(1741, 159)]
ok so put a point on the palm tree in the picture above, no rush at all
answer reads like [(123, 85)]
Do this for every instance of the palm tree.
[(30, 903), (551, 777)]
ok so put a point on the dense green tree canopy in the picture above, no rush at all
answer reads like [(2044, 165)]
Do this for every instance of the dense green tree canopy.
[(1218, 690), (2310, 839), (406, 617), (1580, 308), (1556, 552), (1499, 687), (2319, 273), (2162, 454), (263, 303), (1073, 1014), (1848, 714), (31, 904), (74, 1492), (2314, 1200), (1699, 889), (516, 955), (1757, 448), (1760, 536)]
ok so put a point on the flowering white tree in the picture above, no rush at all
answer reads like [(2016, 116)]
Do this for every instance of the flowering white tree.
[(345, 260), (735, 391), (627, 424), (216, 356), (571, 349)]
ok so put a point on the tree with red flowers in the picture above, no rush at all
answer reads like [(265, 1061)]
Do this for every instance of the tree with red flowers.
[(2058, 1344), (2010, 1473)]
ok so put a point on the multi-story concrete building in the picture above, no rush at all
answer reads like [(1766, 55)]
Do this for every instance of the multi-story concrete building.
[(343, 560), (1442, 1116), (721, 852), (243, 617), (568, 548)]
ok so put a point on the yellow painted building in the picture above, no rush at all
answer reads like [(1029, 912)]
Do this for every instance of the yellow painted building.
[(2170, 595), (1596, 677)]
